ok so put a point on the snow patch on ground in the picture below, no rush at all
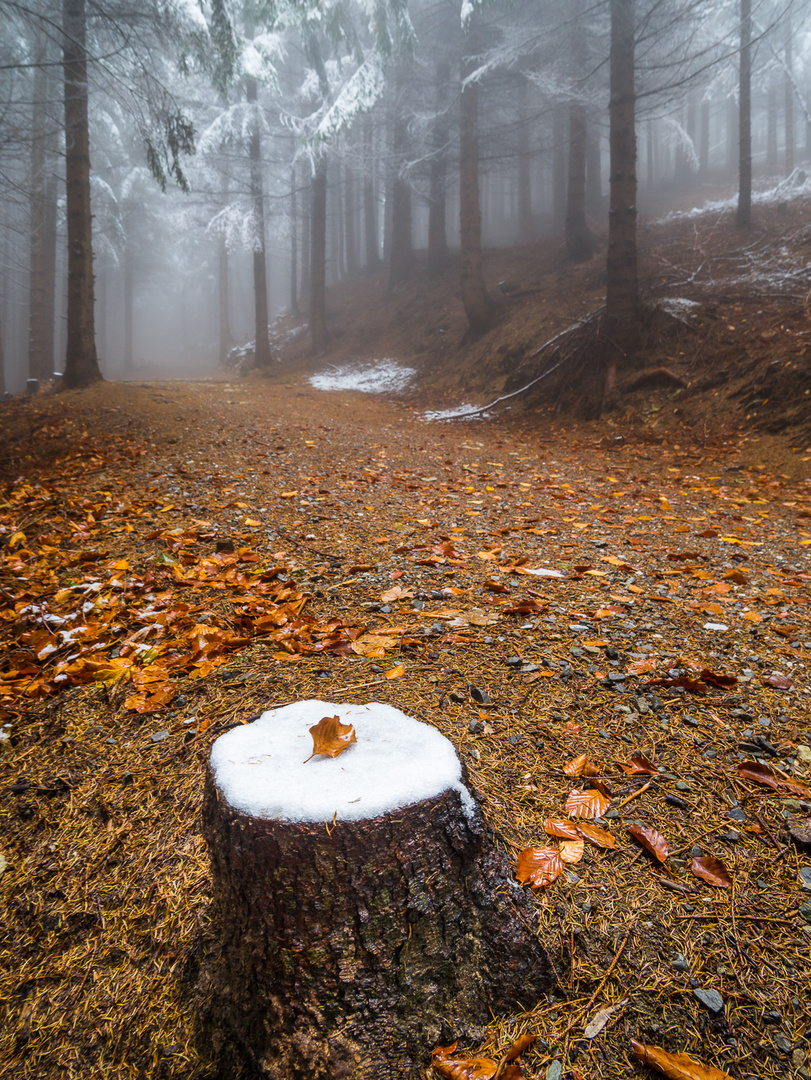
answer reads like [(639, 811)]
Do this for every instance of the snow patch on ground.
[(461, 412), (375, 377), (397, 761), (678, 305), (799, 183)]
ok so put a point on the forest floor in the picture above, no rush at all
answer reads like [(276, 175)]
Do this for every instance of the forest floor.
[(179, 557)]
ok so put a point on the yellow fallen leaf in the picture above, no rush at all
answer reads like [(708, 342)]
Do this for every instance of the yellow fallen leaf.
[(252, 523), (395, 672)]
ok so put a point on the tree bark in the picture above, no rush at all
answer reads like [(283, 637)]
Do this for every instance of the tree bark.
[(476, 300), (260, 283), (704, 147), (129, 305), (744, 213), (579, 241), (594, 172), (526, 224), (350, 222), (371, 241), (42, 225), (352, 951), (401, 250), (438, 178), (318, 257), (306, 207), (789, 95), (771, 126), (294, 308), (558, 166), (81, 361), (622, 288)]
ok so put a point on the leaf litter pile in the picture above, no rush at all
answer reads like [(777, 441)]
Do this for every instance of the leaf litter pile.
[(616, 641)]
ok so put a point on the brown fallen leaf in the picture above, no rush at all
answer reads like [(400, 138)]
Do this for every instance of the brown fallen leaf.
[(571, 851), (694, 686), (395, 672), (397, 592), (642, 667), (763, 774), (639, 765), (538, 866), (726, 682), (587, 804), (580, 766), (601, 1018), (675, 1066), (565, 830), (651, 840), (712, 870), (509, 1068), (331, 737), (601, 838), (778, 681)]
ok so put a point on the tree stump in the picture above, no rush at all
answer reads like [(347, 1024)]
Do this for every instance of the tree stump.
[(362, 912)]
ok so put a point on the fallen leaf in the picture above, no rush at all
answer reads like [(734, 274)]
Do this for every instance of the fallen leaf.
[(580, 766), (601, 1018), (675, 1066), (397, 593), (778, 681), (565, 830), (651, 840), (395, 672), (639, 766), (571, 851), (724, 681), (331, 737), (763, 774), (712, 870), (538, 866), (587, 804), (642, 667), (601, 838), (695, 686)]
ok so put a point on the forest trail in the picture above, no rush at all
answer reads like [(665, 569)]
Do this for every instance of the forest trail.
[(180, 556)]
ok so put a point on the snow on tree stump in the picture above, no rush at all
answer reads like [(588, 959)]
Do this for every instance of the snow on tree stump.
[(361, 909)]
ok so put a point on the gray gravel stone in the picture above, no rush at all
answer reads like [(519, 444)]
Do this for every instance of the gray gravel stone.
[(711, 999)]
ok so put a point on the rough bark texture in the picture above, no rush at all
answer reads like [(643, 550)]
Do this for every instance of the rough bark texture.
[(81, 361), (744, 214), (318, 256), (622, 286), (42, 202), (352, 951), (476, 300)]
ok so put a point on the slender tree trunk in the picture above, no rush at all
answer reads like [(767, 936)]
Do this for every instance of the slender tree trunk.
[(42, 205), (370, 199), (438, 196), (318, 257), (558, 166), (260, 282), (579, 241), (594, 172), (622, 289), (306, 207), (129, 306), (771, 126), (223, 289), (476, 300), (81, 361), (744, 215), (789, 96), (525, 217), (294, 308), (704, 146), (350, 222), (401, 250)]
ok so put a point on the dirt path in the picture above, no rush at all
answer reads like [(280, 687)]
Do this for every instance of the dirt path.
[(180, 556)]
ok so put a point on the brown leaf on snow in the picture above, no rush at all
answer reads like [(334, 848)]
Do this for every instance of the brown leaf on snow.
[(587, 804), (712, 870), (675, 1066), (601, 838), (650, 840), (565, 830), (580, 766), (331, 737), (538, 866)]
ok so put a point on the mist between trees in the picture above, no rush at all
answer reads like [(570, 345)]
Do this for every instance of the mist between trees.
[(175, 174)]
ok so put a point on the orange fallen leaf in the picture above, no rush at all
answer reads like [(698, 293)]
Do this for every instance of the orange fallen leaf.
[(651, 840), (642, 667), (587, 804), (538, 866), (712, 870), (395, 672), (580, 766), (331, 737), (675, 1066), (565, 830), (639, 766), (571, 851), (601, 838)]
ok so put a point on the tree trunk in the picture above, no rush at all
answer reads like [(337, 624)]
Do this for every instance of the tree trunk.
[(352, 950), (526, 224), (306, 207), (704, 147), (370, 199), (744, 214), (579, 241), (558, 166), (81, 361), (42, 204), (437, 191), (260, 283), (350, 223), (318, 257), (294, 308), (622, 289), (789, 96), (771, 126), (129, 306), (401, 250), (223, 304), (594, 172), (476, 300)]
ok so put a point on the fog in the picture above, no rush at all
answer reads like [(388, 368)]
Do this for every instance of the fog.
[(212, 127)]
